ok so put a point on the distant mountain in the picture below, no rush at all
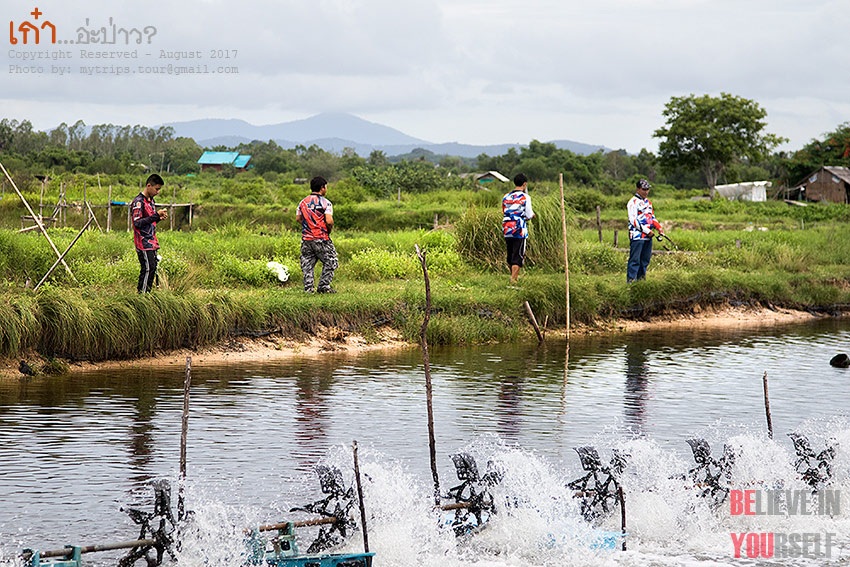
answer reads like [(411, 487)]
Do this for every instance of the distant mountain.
[(328, 125), (334, 132)]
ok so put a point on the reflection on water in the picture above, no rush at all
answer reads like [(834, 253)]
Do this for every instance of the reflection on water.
[(73, 450), (508, 410), (313, 413), (141, 438), (637, 385)]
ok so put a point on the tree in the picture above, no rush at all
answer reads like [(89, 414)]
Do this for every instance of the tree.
[(378, 158), (833, 149), (707, 134), (618, 165)]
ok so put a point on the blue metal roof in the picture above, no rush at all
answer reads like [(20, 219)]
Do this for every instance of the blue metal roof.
[(241, 161), (217, 158)]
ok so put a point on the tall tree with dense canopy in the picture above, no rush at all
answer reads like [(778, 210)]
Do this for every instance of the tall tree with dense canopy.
[(707, 134)]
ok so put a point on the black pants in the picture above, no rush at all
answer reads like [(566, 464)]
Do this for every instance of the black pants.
[(147, 274)]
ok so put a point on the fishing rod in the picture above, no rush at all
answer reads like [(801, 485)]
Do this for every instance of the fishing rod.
[(661, 237)]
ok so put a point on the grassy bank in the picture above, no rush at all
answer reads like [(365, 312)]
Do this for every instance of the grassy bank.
[(215, 284)]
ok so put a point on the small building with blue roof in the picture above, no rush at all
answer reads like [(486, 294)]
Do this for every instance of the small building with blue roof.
[(217, 160)]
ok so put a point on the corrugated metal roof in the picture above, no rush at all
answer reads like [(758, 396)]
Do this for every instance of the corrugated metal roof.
[(241, 161), (217, 158), (494, 175), (843, 173)]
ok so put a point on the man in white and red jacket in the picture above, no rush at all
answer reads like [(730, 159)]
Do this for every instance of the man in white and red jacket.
[(642, 227)]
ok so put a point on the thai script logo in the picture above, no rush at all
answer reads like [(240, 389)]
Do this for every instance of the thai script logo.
[(28, 32), (27, 28)]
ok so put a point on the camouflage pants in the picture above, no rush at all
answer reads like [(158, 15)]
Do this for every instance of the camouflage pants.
[(323, 251)]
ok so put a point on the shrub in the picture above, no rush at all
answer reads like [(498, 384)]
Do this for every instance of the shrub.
[(585, 200), (375, 265), (254, 273)]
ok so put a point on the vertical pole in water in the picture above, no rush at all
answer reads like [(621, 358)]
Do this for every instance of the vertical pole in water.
[(360, 498), (566, 260), (767, 407), (622, 498), (187, 383), (423, 341)]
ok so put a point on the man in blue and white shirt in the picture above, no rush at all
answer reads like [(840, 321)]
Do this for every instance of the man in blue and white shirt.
[(516, 210)]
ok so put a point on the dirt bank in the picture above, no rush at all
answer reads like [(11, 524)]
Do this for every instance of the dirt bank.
[(244, 349)]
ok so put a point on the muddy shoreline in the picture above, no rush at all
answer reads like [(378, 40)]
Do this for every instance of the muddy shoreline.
[(245, 350)]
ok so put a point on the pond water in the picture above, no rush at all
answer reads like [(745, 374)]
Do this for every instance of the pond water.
[(74, 450)]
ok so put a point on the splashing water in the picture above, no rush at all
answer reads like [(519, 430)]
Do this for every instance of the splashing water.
[(538, 520)]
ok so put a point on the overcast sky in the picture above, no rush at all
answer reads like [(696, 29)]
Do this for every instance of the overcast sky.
[(470, 71)]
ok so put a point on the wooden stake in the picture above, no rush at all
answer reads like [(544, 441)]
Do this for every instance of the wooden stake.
[(599, 222), (360, 498), (37, 221), (423, 341), (41, 200), (109, 211), (533, 321), (91, 212), (62, 256), (767, 407), (566, 256), (184, 433)]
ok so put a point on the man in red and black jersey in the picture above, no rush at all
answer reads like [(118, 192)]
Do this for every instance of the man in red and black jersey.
[(316, 215), (145, 217)]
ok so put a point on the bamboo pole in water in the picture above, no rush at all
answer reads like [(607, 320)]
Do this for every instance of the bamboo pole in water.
[(184, 433), (767, 407), (423, 341), (566, 259), (360, 499)]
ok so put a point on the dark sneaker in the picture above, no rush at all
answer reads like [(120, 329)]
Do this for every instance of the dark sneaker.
[(309, 291), (326, 290)]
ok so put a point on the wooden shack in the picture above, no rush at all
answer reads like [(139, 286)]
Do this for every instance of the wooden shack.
[(830, 184)]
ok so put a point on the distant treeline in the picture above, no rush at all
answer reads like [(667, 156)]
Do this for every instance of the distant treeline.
[(113, 149)]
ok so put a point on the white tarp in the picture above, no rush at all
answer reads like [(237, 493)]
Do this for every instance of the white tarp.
[(747, 191)]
